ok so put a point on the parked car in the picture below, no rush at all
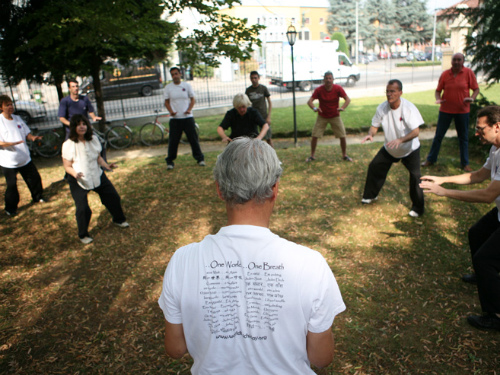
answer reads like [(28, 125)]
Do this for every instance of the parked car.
[(125, 81), (29, 110), (403, 54), (420, 56), (363, 59), (383, 55), (410, 57), (372, 57)]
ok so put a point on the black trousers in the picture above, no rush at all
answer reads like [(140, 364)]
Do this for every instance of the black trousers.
[(30, 176), (177, 126), (109, 198), (379, 168), (484, 243)]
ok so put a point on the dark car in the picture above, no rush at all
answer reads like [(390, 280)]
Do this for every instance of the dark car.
[(125, 81)]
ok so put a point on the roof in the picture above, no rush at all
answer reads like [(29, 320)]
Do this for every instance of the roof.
[(451, 11)]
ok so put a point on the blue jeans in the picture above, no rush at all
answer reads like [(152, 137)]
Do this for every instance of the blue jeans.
[(462, 127)]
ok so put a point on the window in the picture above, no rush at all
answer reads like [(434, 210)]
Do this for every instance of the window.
[(321, 21), (307, 20), (306, 35), (300, 35)]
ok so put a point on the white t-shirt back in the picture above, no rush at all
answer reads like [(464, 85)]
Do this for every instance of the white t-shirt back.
[(247, 291), (13, 131)]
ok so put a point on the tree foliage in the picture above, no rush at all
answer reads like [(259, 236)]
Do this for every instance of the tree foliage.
[(342, 42), (484, 40), (381, 21), (415, 23), (72, 37)]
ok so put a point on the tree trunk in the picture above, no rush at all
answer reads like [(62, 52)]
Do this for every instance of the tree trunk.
[(58, 84), (94, 72)]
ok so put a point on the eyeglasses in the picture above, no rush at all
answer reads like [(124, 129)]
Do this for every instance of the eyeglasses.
[(480, 129)]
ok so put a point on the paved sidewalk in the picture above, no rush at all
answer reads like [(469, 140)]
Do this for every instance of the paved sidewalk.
[(279, 143)]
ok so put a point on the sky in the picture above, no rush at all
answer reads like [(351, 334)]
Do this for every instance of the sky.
[(440, 4)]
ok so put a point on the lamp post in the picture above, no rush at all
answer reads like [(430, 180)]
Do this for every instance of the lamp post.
[(291, 35)]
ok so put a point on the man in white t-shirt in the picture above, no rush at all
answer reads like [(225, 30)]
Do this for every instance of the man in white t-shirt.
[(15, 156), (179, 101), (400, 121), (245, 301), (484, 236)]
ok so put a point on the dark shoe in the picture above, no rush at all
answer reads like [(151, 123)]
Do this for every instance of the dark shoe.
[(469, 278), (10, 214), (426, 163), (487, 322)]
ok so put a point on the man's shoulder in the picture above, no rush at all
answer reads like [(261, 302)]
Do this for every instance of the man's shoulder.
[(65, 100)]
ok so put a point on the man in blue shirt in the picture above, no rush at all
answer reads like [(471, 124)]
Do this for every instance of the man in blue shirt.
[(75, 104)]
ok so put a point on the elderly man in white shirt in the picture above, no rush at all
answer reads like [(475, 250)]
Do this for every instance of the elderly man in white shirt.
[(400, 120)]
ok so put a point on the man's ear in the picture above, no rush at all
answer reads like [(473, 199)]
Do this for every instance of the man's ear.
[(275, 190), (218, 190)]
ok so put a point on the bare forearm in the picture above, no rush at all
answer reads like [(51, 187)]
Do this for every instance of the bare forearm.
[(263, 132)]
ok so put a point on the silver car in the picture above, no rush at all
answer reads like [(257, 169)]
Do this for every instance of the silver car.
[(29, 110)]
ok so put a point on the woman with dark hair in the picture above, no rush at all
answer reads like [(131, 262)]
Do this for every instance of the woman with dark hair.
[(82, 162)]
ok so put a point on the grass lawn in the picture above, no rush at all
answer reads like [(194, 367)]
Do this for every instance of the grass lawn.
[(357, 117), (67, 308)]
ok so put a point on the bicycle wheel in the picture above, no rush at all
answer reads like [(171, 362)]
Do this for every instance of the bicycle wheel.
[(151, 134), (119, 137), (50, 144)]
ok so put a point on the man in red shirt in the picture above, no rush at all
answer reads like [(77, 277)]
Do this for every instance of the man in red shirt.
[(328, 96), (455, 84)]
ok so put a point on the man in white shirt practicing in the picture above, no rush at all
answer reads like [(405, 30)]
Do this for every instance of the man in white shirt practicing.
[(179, 100), (245, 301), (400, 121), (484, 236)]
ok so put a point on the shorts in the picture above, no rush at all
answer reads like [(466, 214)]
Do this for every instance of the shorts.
[(269, 133), (336, 124)]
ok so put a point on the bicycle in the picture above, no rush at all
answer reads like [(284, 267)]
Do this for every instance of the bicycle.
[(117, 136), (152, 133), (49, 145)]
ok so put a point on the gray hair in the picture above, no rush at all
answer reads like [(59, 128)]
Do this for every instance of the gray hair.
[(247, 169), (241, 100), (328, 73)]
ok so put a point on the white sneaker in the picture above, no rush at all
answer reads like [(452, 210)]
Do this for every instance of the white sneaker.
[(86, 240), (170, 166), (123, 225), (413, 214), (368, 201), (201, 163)]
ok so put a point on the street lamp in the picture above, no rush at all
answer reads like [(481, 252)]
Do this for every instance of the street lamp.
[(291, 35)]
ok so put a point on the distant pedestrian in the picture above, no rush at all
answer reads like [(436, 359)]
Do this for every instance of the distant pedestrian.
[(455, 85), (400, 121), (329, 96), (15, 156), (75, 104), (258, 95), (179, 101), (243, 120)]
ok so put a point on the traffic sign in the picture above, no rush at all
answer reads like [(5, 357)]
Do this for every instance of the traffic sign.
[(398, 41)]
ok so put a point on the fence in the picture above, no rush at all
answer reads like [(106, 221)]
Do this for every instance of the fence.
[(211, 92)]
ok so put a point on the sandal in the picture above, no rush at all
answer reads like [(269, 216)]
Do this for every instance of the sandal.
[(347, 158), (309, 159)]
